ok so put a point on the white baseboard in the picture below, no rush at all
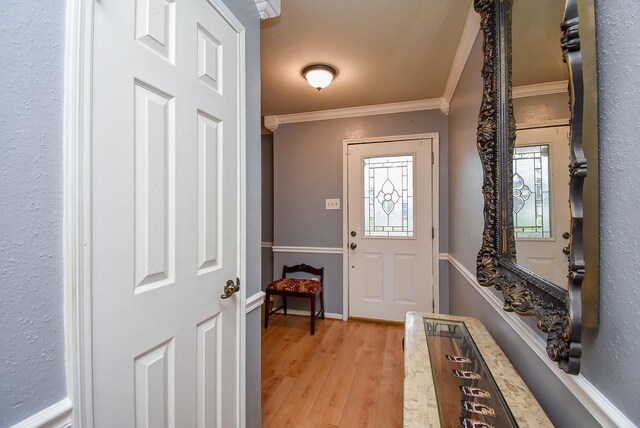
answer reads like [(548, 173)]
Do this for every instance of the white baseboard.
[(55, 416), (254, 301), (599, 406), (308, 313)]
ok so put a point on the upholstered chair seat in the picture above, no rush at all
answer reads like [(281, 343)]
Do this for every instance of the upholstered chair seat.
[(295, 285)]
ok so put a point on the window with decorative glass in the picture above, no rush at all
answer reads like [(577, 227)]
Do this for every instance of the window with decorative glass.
[(531, 192), (389, 196)]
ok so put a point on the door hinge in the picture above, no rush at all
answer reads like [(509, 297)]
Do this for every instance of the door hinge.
[(433, 161), (433, 233)]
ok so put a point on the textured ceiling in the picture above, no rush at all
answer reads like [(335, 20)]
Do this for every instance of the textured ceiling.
[(385, 51), (390, 50), (537, 55)]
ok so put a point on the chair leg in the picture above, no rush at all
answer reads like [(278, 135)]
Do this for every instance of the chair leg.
[(284, 304), (313, 314), (267, 299), (322, 302)]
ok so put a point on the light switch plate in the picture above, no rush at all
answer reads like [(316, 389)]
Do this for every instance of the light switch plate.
[(332, 204)]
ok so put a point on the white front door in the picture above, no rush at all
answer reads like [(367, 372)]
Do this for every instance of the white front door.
[(390, 229), (165, 214), (541, 201)]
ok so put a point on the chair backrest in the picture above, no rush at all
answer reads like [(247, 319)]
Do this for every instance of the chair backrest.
[(304, 268)]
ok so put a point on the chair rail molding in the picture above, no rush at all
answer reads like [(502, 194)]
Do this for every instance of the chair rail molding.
[(56, 416), (307, 250), (268, 8), (254, 301), (596, 403)]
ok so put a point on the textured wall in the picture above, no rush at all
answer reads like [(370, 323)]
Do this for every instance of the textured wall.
[(605, 361), (544, 107), (32, 354), (308, 169), (267, 208), (31, 170)]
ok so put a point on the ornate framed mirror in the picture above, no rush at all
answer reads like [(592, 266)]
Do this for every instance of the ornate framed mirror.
[(540, 217)]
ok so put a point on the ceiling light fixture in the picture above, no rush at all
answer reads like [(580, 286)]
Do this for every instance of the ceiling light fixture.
[(319, 75)]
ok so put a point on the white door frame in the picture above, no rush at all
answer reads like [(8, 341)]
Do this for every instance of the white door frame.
[(435, 192), (77, 141)]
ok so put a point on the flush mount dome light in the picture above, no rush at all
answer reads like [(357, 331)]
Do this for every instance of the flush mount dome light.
[(319, 75)]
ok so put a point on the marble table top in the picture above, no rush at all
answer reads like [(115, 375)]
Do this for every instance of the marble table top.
[(420, 405)]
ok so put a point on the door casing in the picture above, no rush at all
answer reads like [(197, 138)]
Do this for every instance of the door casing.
[(77, 243), (435, 192)]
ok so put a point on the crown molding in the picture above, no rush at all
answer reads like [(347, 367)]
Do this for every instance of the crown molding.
[(272, 122), (551, 123), (268, 8), (467, 39), (538, 89)]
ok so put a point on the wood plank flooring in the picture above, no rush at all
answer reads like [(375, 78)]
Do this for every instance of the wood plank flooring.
[(349, 374)]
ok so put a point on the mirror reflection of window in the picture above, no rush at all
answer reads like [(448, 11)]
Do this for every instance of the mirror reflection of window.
[(531, 192)]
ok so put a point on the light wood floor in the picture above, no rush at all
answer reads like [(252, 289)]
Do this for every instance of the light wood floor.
[(349, 374)]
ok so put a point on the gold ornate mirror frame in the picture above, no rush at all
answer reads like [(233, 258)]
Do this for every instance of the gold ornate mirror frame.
[(558, 312)]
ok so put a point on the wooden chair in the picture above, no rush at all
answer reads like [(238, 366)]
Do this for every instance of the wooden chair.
[(297, 287)]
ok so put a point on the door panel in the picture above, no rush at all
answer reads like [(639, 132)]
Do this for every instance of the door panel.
[(155, 387), (154, 120), (209, 167), (373, 271), (405, 269), (390, 211), (165, 214), (208, 376)]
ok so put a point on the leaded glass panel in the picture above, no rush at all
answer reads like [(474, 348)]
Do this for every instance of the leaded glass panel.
[(531, 192), (388, 196)]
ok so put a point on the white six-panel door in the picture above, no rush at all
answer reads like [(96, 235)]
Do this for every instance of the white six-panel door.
[(390, 236), (166, 140)]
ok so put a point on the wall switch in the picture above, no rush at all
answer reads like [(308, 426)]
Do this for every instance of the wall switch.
[(332, 204)]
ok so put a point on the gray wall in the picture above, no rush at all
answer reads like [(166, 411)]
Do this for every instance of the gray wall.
[(267, 208), (544, 107), (603, 361), (32, 351), (308, 170), (32, 354)]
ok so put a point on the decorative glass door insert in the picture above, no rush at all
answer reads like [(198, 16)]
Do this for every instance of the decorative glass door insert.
[(389, 196), (531, 192)]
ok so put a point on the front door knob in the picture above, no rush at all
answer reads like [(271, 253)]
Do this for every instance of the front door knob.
[(353, 246), (230, 288)]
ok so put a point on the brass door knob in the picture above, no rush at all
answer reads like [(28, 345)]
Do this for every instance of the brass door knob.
[(230, 288), (353, 246)]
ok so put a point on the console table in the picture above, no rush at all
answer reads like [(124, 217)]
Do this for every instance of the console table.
[(456, 375)]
